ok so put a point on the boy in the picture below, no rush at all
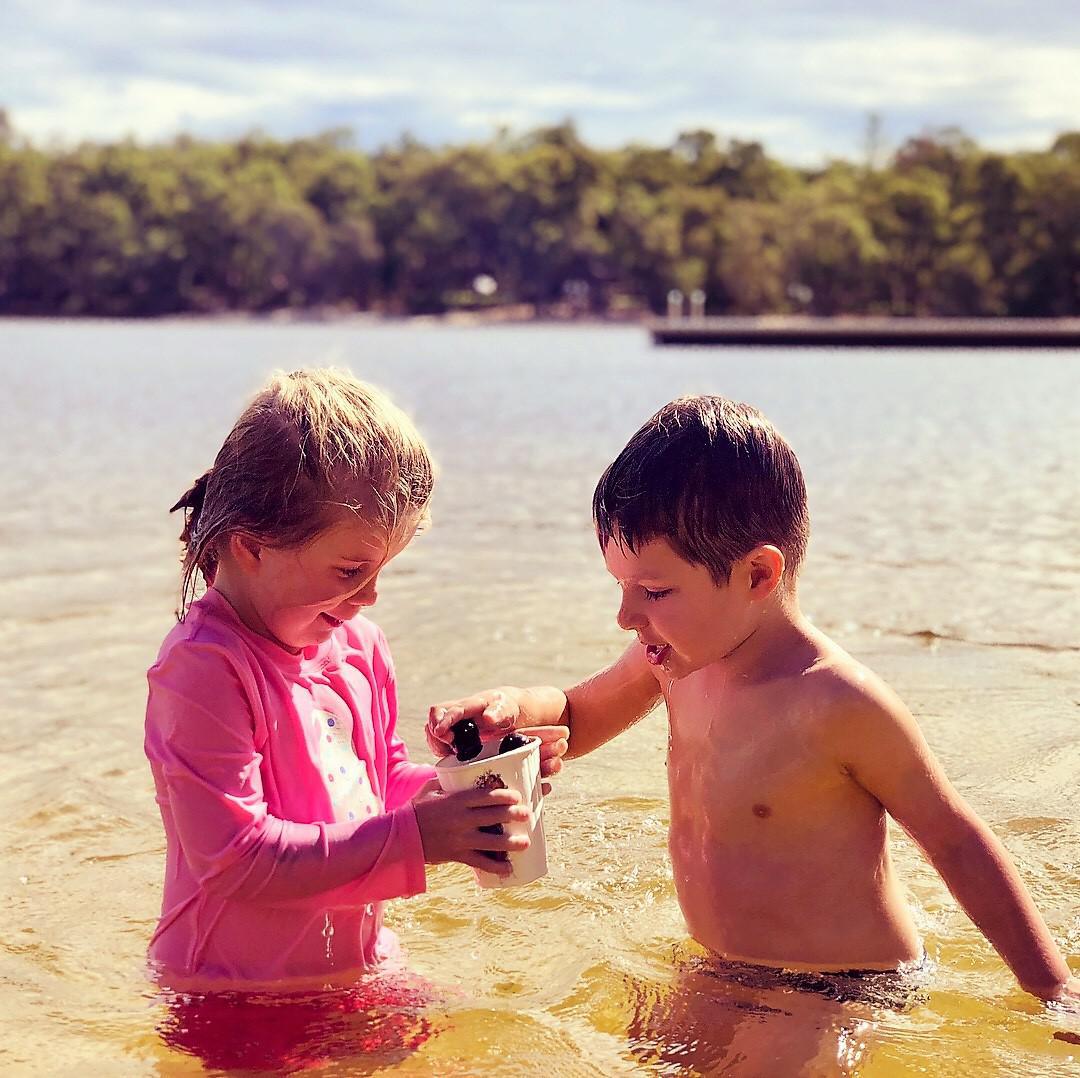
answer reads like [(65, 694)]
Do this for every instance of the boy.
[(785, 754)]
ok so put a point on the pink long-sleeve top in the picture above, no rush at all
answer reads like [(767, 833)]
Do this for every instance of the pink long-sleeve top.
[(285, 794)]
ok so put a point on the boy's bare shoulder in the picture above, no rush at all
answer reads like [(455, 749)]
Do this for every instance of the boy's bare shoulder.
[(845, 696)]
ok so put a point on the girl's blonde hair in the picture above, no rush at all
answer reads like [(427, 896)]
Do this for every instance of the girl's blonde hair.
[(310, 441)]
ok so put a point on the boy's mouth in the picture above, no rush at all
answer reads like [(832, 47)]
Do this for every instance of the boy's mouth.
[(656, 653)]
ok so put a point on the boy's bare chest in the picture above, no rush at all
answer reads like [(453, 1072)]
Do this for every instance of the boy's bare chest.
[(738, 759)]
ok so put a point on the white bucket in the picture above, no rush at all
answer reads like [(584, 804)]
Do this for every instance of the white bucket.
[(518, 769)]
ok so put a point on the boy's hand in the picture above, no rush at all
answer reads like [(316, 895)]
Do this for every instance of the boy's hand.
[(496, 712), (1069, 995), (450, 826)]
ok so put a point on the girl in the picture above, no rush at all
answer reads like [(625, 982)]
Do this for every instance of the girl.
[(290, 807)]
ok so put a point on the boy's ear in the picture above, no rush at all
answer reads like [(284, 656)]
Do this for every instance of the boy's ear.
[(765, 567)]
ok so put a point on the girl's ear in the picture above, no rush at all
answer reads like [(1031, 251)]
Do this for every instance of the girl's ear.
[(765, 564), (246, 551)]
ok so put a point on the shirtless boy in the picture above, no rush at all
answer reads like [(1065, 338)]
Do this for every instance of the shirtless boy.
[(785, 754)]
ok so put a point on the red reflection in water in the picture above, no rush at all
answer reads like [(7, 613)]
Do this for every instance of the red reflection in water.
[(380, 1019)]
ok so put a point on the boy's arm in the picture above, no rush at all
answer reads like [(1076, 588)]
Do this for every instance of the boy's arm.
[(586, 716), (879, 744), (611, 701)]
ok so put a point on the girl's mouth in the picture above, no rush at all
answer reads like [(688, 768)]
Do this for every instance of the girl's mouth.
[(657, 653)]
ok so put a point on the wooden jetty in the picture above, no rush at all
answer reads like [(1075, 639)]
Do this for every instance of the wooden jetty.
[(875, 332)]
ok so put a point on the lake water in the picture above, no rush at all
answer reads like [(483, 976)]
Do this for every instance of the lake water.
[(945, 553)]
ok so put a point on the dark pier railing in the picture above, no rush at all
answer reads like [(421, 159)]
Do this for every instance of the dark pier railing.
[(878, 332)]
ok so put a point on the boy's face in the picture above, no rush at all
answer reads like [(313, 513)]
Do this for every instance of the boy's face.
[(683, 617)]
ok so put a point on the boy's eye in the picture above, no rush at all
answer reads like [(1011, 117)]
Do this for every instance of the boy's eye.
[(652, 595), (350, 574)]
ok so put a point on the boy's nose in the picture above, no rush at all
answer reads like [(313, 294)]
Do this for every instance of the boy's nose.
[(627, 618)]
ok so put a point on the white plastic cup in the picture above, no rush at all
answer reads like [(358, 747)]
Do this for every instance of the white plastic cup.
[(518, 769)]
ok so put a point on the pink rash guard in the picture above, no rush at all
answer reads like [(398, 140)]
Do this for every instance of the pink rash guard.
[(285, 794)]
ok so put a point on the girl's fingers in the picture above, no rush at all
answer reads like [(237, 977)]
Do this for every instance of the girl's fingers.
[(545, 788), (485, 817), (480, 799), (500, 843), (431, 788), (475, 859)]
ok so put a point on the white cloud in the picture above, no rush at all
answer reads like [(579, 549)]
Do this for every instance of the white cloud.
[(799, 77)]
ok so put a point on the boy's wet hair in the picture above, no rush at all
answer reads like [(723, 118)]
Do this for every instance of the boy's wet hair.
[(310, 443), (712, 477)]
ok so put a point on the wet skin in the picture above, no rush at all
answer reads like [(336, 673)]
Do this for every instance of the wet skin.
[(779, 855)]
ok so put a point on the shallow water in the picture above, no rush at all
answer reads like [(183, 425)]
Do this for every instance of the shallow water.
[(945, 553)]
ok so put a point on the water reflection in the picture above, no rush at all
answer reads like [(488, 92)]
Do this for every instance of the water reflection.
[(377, 1022), (707, 1016)]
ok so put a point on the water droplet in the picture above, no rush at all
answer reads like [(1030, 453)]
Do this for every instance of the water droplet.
[(328, 935)]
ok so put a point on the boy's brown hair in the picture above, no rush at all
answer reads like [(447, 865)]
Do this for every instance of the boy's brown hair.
[(712, 477), (309, 443)]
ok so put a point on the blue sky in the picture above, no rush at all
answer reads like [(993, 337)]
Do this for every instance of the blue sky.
[(801, 77)]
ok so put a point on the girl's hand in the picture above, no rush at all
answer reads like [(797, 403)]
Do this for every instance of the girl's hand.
[(496, 712), (450, 826)]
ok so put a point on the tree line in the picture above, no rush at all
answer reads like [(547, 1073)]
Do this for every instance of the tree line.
[(942, 227)]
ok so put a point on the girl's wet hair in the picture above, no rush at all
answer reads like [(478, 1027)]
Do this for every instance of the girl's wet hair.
[(712, 477), (310, 443)]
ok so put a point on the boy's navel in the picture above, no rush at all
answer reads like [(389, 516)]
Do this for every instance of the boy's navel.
[(762, 811)]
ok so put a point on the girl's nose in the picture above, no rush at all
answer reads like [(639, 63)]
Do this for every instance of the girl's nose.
[(366, 595)]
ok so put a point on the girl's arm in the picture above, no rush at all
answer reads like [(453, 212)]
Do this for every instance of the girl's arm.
[(200, 738)]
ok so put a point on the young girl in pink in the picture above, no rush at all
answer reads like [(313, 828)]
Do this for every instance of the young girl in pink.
[(291, 810)]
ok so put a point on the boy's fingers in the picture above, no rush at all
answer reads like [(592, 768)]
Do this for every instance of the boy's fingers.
[(442, 716), (436, 744), (545, 788), (549, 735), (551, 767)]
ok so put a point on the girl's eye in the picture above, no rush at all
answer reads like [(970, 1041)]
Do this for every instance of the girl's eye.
[(652, 596)]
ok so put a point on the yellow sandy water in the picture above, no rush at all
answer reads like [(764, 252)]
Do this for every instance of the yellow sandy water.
[(945, 554)]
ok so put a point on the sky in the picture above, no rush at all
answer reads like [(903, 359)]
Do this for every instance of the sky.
[(799, 77)]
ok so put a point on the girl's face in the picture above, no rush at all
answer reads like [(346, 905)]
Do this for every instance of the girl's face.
[(297, 596)]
